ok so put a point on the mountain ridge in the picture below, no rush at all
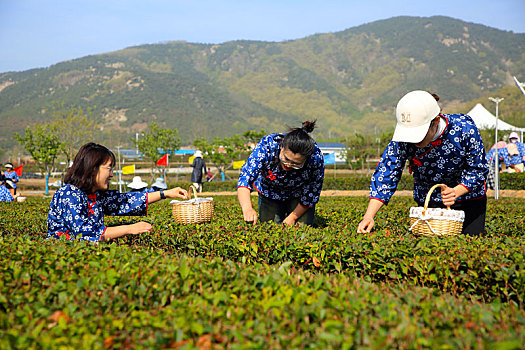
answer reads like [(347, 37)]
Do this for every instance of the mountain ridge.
[(348, 80)]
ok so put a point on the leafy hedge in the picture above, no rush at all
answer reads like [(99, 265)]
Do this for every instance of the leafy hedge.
[(79, 295), (487, 268), (354, 182)]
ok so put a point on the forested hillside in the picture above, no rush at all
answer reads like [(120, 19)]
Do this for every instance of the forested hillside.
[(349, 80)]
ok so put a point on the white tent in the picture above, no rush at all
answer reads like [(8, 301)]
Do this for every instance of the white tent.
[(486, 120)]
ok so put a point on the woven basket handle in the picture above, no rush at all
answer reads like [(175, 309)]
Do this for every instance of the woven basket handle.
[(194, 190), (430, 193)]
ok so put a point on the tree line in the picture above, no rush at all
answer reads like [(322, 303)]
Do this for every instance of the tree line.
[(71, 127)]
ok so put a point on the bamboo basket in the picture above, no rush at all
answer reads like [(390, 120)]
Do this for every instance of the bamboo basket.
[(192, 211), (426, 221)]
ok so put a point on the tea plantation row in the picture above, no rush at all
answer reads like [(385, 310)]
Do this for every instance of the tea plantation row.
[(354, 182), (78, 295), (264, 286)]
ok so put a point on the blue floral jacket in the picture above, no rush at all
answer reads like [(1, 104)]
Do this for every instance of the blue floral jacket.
[(456, 157), (503, 155), (76, 215), (263, 171), (13, 176)]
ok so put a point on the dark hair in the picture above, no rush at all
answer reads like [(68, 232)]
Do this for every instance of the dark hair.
[(297, 140), (86, 164), (436, 97)]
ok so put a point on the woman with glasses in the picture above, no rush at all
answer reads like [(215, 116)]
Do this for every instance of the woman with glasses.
[(77, 208), (287, 170), (441, 149)]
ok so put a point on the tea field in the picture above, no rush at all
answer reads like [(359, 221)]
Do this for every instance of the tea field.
[(230, 285)]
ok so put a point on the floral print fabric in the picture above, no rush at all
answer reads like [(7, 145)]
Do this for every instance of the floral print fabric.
[(503, 155), (5, 195), (520, 157), (263, 172), (76, 215), (12, 175), (456, 157)]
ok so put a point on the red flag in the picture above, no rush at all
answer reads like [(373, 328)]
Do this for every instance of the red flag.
[(19, 169), (163, 160)]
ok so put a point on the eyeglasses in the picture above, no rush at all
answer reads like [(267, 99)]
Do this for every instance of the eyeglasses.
[(108, 167), (284, 160)]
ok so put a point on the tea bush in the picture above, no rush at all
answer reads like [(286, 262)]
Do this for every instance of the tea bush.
[(235, 285), (360, 182), (78, 295)]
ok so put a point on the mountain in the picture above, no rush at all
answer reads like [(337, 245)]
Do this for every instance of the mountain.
[(350, 80)]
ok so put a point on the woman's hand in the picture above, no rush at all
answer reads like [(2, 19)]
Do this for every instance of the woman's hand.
[(289, 221), (366, 225), (176, 192), (448, 195), (139, 227), (250, 215)]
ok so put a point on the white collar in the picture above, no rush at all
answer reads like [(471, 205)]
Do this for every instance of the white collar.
[(441, 127)]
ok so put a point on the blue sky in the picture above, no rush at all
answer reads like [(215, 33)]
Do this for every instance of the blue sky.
[(39, 33)]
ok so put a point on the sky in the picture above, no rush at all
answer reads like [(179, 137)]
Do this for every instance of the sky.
[(39, 33)]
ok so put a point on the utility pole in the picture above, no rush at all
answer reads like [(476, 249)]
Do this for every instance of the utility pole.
[(496, 100), (119, 170)]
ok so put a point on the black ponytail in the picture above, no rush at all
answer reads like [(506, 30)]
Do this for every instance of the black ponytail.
[(297, 140)]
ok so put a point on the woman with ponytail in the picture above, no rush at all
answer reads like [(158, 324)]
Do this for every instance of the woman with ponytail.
[(287, 170)]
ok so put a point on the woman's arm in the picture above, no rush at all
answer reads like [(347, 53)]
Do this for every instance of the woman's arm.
[(119, 231), (295, 215), (249, 214), (367, 223), (176, 192)]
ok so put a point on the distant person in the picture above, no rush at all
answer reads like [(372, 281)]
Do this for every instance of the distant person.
[(441, 149), (209, 176), (11, 178), (77, 209), (288, 172), (159, 184), (137, 185), (516, 151), (199, 168), (5, 194), (503, 162)]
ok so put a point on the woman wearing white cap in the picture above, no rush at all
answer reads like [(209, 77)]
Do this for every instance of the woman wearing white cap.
[(11, 178), (199, 167), (516, 151), (137, 185), (440, 148), (159, 184)]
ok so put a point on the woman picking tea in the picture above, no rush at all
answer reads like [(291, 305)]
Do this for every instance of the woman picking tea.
[(441, 149), (77, 208), (288, 171)]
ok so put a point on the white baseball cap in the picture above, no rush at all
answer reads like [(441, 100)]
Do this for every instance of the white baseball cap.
[(414, 113)]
